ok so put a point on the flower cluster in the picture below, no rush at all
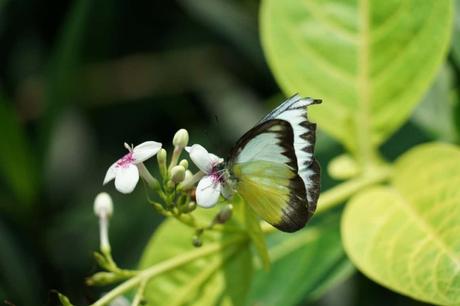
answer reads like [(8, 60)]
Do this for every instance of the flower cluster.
[(178, 191), (178, 182)]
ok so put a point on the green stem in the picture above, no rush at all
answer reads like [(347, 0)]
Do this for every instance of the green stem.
[(139, 294), (338, 194), (165, 266)]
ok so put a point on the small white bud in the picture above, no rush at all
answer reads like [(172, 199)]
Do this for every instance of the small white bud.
[(103, 205), (188, 175), (184, 163), (181, 138), (162, 155), (177, 174)]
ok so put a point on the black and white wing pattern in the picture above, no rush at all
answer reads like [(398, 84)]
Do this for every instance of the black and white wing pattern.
[(294, 111)]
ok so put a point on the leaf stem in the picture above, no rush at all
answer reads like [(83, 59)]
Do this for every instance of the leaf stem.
[(164, 266), (344, 191)]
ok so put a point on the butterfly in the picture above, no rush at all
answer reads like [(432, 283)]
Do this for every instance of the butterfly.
[(273, 168)]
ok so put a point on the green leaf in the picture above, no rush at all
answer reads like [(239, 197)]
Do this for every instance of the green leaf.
[(62, 86), (304, 264), (17, 164), (18, 269), (220, 278), (456, 36), (435, 113), (371, 61), (405, 236), (232, 20), (250, 221)]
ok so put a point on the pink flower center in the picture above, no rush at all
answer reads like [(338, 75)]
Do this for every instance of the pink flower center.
[(126, 160), (216, 176)]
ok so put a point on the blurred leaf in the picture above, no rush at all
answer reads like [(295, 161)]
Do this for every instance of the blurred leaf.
[(230, 19), (405, 236), (62, 83), (3, 3), (17, 273), (304, 264), (251, 222), (370, 61), (220, 278), (456, 36), (435, 113), (16, 158)]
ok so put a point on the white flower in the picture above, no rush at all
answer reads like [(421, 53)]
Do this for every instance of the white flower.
[(213, 181), (125, 171)]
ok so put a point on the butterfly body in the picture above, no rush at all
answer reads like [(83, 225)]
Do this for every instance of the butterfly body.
[(273, 168)]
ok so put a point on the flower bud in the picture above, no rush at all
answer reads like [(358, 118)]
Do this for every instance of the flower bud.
[(161, 157), (170, 185), (184, 163), (177, 174), (224, 214), (181, 138), (188, 175), (101, 278), (196, 241), (189, 207), (103, 205)]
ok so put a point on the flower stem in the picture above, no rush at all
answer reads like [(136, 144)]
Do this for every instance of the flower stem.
[(139, 294), (166, 266)]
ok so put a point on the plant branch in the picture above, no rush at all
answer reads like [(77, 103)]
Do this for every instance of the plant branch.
[(164, 266), (139, 294), (338, 194)]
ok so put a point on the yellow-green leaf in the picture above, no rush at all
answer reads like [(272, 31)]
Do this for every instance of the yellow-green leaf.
[(305, 264), (222, 277), (406, 235), (371, 61), (251, 222)]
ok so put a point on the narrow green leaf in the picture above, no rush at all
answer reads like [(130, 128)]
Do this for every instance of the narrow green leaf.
[(223, 276), (62, 83), (304, 264), (17, 165), (405, 236), (250, 221), (371, 61)]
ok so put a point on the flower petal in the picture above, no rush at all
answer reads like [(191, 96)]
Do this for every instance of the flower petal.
[(145, 150), (126, 178), (201, 158), (207, 192), (110, 175), (215, 160)]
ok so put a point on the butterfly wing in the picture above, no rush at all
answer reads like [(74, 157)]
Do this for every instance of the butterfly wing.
[(265, 165), (294, 110)]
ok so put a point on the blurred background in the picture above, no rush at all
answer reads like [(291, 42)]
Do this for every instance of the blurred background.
[(79, 78)]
